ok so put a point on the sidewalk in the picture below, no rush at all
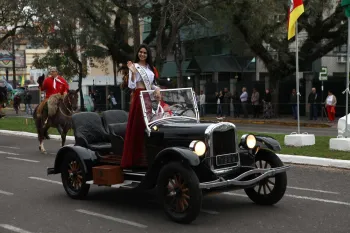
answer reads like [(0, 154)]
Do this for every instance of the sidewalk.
[(10, 112), (283, 120)]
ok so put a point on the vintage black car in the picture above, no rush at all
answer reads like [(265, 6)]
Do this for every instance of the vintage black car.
[(185, 158)]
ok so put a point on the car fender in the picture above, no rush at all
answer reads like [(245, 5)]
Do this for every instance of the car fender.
[(86, 156), (267, 143), (184, 155), (180, 153)]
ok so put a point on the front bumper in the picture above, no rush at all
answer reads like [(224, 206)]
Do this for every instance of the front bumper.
[(222, 183)]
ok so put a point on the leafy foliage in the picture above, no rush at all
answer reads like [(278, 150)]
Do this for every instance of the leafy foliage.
[(321, 29)]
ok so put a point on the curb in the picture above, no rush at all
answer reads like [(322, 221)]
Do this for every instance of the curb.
[(32, 135), (270, 122), (294, 159), (316, 161)]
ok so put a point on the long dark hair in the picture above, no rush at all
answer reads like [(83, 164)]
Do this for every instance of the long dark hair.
[(149, 59)]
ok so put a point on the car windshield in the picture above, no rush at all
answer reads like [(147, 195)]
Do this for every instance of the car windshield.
[(174, 104)]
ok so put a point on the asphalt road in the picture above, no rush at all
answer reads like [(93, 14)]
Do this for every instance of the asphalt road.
[(317, 200)]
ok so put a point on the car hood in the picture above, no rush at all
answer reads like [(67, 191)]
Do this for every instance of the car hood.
[(181, 129)]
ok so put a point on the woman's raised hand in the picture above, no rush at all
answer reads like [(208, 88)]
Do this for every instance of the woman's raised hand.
[(131, 66)]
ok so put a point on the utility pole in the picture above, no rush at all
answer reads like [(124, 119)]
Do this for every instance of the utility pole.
[(14, 63)]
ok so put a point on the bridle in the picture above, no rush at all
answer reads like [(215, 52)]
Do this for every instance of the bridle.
[(68, 109)]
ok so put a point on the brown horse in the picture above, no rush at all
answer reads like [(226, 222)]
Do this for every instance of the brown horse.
[(61, 120)]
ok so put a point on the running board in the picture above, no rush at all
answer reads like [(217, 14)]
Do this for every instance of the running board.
[(125, 184)]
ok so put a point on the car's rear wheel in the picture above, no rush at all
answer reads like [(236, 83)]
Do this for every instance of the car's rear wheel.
[(74, 177), (268, 191), (178, 188)]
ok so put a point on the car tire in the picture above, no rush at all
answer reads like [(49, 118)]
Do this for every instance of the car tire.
[(268, 191), (73, 177), (178, 189)]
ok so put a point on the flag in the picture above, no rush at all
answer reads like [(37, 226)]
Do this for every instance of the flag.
[(295, 10)]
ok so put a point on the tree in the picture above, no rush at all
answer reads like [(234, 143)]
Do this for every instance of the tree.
[(67, 39), (321, 29), (167, 19), (109, 26), (15, 15), (320, 34)]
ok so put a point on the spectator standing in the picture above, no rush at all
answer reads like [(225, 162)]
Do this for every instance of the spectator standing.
[(331, 102), (267, 104), (219, 101), (202, 103), (244, 101), (111, 101), (236, 104), (312, 100), (293, 102), (28, 102), (16, 102), (227, 102), (255, 99)]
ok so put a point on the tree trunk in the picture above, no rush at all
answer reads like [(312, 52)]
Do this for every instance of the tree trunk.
[(115, 72), (80, 87), (136, 31)]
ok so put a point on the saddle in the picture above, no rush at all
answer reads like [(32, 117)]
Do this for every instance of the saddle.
[(52, 105)]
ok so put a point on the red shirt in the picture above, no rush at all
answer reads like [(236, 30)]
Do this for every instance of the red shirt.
[(48, 86)]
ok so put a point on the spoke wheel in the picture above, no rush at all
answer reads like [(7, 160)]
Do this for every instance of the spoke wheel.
[(177, 194), (74, 177), (265, 186), (270, 190), (178, 188)]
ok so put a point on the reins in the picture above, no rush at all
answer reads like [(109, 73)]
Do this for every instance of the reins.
[(64, 103)]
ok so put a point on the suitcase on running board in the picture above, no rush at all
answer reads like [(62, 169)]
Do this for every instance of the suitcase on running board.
[(107, 175)]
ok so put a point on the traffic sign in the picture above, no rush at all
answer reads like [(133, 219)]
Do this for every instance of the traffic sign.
[(323, 74)]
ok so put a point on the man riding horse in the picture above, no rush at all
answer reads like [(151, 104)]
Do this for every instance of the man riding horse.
[(55, 86)]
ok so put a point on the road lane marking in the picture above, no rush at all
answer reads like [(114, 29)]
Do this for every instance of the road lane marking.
[(313, 190), (8, 153), (13, 228), (6, 193), (46, 180), (135, 224), (10, 147), (299, 197), (319, 199), (26, 160)]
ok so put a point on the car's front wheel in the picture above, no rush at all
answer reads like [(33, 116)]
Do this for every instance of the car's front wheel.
[(268, 191), (178, 188), (74, 177)]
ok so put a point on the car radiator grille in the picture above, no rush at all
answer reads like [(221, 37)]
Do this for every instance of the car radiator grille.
[(224, 149)]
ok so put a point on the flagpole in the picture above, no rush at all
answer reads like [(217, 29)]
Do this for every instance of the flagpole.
[(347, 82), (297, 71)]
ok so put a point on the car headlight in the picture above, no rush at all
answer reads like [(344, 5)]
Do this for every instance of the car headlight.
[(249, 141), (198, 147)]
